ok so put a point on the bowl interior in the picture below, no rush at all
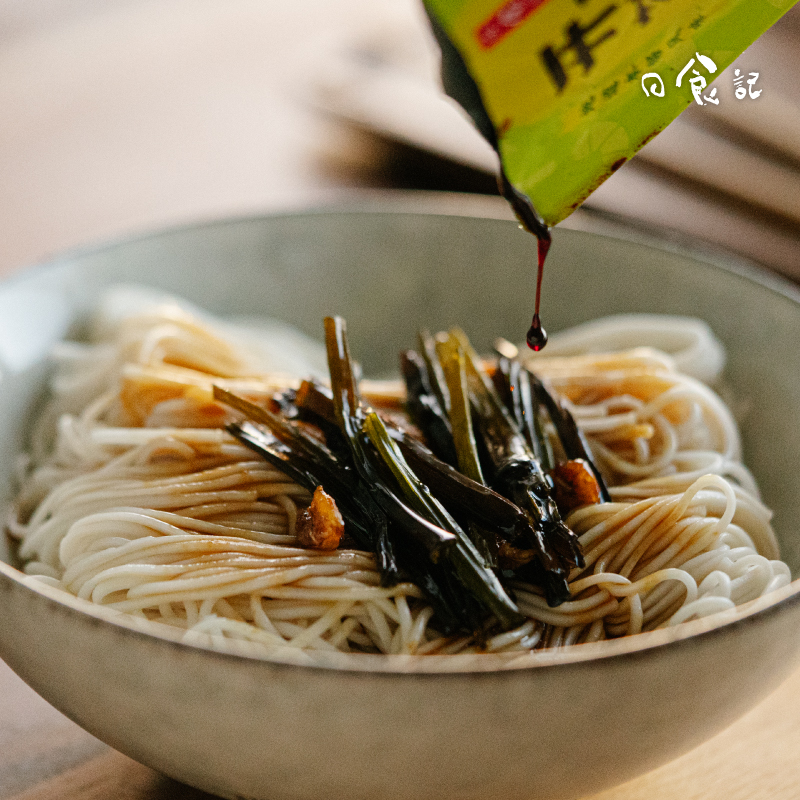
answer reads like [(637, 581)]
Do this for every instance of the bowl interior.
[(390, 272)]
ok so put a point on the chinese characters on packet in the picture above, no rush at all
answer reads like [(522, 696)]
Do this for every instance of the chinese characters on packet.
[(740, 91), (586, 40), (581, 43), (652, 84)]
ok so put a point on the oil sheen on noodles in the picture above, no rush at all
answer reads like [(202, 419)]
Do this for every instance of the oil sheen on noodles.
[(134, 497)]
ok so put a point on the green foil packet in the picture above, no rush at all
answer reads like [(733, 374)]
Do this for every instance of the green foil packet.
[(568, 90)]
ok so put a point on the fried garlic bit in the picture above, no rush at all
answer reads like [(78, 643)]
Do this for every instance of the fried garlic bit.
[(321, 525), (574, 485)]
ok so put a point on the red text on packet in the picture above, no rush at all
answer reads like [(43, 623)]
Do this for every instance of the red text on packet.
[(504, 20)]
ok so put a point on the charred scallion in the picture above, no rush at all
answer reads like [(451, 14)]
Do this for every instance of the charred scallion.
[(363, 523), (514, 388), (312, 465), (572, 440), (438, 381), (468, 566), (499, 528), (518, 475), (451, 359), (350, 416), (452, 488), (424, 407), (454, 609)]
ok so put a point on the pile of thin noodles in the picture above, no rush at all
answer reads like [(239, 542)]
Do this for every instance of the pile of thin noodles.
[(134, 497)]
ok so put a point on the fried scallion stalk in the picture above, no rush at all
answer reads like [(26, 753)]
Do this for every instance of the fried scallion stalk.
[(505, 534), (455, 609), (356, 421), (524, 394), (514, 388), (572, 440), (451, 359), (350, 417), (469, 566), (311, 464), (443, 529), (516, 473), (454, 490), (367, 507), (438, 381), (424, 407)]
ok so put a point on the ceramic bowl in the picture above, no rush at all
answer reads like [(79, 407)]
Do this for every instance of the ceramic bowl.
[(575, 722)]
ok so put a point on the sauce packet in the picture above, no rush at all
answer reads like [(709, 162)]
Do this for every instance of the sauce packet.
[(568, 90)]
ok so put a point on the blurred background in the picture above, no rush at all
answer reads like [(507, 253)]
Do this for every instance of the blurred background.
[(118, 117), (122, 116)]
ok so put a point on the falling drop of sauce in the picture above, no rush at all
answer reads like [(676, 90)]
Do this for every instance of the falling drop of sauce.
[(533, 223), (537, 335)]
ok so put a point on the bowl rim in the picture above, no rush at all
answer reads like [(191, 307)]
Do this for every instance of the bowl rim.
[(425, 204), (641, 645), (430, 203)]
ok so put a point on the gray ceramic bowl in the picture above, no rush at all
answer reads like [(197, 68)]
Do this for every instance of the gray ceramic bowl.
[(576, 722)]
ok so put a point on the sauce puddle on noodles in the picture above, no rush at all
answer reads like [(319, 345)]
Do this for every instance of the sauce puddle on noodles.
[(140, 499)]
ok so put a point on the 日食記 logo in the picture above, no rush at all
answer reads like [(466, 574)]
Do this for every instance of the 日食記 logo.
[(653, 85)]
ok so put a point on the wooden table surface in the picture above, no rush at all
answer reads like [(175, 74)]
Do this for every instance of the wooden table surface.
[(126, 115)]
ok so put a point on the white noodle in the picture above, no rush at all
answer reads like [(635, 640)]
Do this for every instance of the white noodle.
[(137, 499)]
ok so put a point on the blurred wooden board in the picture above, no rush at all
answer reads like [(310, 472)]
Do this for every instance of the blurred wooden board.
[(726, 175), (116, 120)]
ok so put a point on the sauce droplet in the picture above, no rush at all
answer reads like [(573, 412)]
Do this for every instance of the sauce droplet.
[(537, 335), (533, 223)]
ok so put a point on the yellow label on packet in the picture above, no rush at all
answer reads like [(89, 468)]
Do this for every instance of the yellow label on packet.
[(573, 88)]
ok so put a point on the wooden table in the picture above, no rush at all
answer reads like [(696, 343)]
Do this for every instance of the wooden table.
[(123, 115)]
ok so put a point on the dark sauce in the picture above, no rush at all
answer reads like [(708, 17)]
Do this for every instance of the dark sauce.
[(530, 220), (537, 335)]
